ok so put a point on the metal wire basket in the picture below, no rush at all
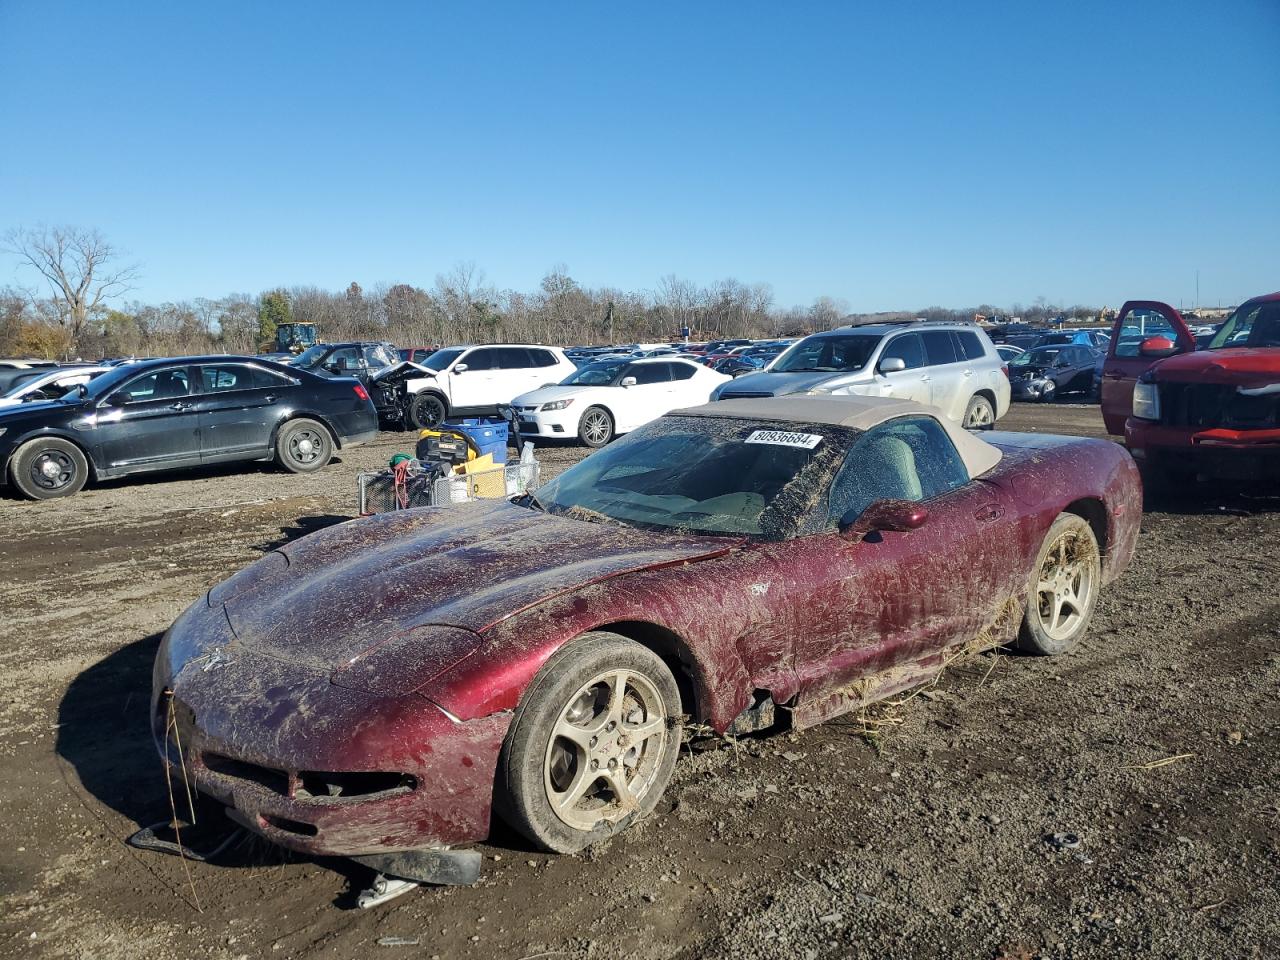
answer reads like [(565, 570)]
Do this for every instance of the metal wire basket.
[(378, 493)]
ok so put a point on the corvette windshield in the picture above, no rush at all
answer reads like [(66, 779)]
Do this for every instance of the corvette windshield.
[(828, 354), (706, 475), (599, 374)]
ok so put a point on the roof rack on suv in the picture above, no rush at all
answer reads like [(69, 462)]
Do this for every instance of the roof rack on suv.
[(911, 321)]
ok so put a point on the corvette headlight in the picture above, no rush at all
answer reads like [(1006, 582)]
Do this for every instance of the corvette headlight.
[(555, 405), (1146, 401)]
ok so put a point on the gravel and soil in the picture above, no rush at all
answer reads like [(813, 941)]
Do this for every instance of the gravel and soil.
[(1123, 800)]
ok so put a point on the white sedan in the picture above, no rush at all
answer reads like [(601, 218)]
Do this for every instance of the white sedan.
[(603, 399), (49, 384)]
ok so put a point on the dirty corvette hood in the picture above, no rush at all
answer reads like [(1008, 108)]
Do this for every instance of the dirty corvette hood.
[(356, 585), (1233, 365)]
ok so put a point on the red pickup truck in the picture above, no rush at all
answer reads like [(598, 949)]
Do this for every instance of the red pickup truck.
[(1210, 413)]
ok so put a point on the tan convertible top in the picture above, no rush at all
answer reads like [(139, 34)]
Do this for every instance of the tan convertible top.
[(860, 413)]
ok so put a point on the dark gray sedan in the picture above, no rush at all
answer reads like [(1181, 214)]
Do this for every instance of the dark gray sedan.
[(1043, 373), (182, 412)]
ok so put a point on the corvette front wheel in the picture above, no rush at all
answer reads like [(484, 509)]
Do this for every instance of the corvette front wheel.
[(592, 744)]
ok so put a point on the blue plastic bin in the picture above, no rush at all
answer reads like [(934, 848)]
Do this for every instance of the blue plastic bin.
[(489, 434)]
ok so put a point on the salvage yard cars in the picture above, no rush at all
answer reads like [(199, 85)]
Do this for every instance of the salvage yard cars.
[(1186, 412), (371, 690), (950, 366), (604, 399), (181, 412)]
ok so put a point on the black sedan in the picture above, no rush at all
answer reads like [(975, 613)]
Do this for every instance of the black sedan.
[(182, 412), (1043, 373)]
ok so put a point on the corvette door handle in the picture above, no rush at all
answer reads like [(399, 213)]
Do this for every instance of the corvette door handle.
[(270, 398), (179, 406), (992, 511)]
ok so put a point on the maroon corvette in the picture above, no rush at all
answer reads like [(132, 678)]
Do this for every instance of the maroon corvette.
[(377, 689)]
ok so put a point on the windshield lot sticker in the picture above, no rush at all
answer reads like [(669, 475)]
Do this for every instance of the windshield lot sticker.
[(783, 438)]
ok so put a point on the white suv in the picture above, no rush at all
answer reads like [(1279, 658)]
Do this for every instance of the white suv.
[(473, 381), (952, 366)]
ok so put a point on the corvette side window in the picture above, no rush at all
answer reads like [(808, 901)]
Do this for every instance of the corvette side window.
[(910, 458)]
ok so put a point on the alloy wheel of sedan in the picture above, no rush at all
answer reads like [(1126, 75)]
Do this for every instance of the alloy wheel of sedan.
[(605, 749), (1066, 588), (596, 428)]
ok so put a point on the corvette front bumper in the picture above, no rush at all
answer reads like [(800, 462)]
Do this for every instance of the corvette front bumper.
[(318, 768)]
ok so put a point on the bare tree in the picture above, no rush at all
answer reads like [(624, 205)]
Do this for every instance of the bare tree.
[(79, 267)]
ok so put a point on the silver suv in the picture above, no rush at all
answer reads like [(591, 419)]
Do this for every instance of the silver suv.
[(952, 366)]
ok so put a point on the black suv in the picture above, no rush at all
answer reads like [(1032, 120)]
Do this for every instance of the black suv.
[(182, 412)]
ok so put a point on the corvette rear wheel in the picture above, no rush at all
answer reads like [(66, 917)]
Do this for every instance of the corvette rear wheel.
[(592, 745), (1065, 589)]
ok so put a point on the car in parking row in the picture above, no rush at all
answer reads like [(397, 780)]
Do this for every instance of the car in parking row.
[(952, 366), (181, 412), (601, 400)]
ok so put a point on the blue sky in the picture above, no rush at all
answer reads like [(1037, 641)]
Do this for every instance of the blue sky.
[(891, 154)]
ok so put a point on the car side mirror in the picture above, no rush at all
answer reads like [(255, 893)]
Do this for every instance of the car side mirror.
[(114, 400), (459, 368), (627, 382), (1157, 347), (892, 365), (895, 516)]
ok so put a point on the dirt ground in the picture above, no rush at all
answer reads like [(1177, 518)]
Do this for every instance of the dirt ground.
[(925, 834)]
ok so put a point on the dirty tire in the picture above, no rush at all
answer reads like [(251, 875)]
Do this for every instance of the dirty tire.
[(1063, 589), (48, 468), (595, 429), (581, 762), (979, 414), (426, 411), (303, 446)]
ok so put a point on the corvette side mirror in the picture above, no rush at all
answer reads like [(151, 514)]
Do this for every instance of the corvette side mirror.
[(627, 382), (896, 516), (892, 365), (459, 367)]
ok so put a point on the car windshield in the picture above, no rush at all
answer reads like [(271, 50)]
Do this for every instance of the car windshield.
[(705, 475), (1251, 326), (1038, 357), (441, 359), (828, 354), (599, 374), (311, 356)]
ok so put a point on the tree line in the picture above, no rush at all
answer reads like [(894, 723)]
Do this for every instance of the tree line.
[(80, 309)]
